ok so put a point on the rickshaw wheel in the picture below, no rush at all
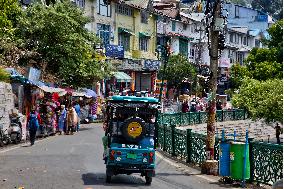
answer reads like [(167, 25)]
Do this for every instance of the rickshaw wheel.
[(108, 179), (148, 180)]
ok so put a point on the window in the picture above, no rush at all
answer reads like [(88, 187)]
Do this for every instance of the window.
[(103, 32), (144, 17), (237, 13), (192, 53), (124, 40), (183, 47), (103, 9), (143, 43), (80, 3), (173, 26), (184, 26), (125, 10), (237, 39), (257, 43), (240, 58), (245, 41), (231, 37)]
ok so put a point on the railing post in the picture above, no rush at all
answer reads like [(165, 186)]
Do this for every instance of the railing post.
[(188, 145), (251, 160), (180, 116), (234, 115), (164, 140), (173, 140), (244, 114), (188, 118), (222, 115), (199, 117)]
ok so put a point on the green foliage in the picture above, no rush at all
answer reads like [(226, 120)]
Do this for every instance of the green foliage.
[(239, 2), (260, 83), (178, 69), (237, 74), (263, 99), (4, 76), (274, 8), (57, 32), (9, 14)]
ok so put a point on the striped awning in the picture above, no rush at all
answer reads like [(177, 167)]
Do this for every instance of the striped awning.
[(122, 77)]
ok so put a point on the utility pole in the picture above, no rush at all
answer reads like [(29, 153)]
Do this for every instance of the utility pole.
[(215, 24)]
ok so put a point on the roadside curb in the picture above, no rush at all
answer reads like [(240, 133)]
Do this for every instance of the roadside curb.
[(24, 143), (187, 169)]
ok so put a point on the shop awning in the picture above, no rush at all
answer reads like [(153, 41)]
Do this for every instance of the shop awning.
[(80, 94), (144, 34), (124, 30), (61, 92), (186, 38), (122, 77)]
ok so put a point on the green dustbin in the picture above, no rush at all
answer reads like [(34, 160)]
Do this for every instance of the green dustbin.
[(237, 154)]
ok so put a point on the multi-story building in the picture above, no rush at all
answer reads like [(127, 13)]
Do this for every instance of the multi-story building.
[(128, 32)]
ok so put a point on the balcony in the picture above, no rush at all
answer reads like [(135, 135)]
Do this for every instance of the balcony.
[(136, 54)]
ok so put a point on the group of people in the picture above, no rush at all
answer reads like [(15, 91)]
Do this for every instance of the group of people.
[(194, 105), (66, 120)]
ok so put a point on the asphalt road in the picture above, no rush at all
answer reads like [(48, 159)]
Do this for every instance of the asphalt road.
[(67, 161)]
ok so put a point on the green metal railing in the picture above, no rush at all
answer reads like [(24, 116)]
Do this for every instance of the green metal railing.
[(190, 118), (266, 161)]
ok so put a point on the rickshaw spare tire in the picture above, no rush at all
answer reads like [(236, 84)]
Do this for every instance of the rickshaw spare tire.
[(133, 129)]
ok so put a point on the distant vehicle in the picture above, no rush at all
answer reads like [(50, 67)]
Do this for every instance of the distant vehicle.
[(131, 136)]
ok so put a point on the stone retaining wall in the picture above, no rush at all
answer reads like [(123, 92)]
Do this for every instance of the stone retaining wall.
[(6, 104)]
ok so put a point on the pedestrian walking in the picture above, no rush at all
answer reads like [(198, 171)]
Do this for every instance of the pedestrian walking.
[(62, 119), (278, 132), (78, 111), (185, 107), (33, 121), (72, 120)]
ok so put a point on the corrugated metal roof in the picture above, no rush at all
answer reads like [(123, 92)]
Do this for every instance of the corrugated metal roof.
[(172, 13)]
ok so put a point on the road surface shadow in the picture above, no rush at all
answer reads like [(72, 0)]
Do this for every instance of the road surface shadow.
[(176, 174), (85, 128), (119, 180)]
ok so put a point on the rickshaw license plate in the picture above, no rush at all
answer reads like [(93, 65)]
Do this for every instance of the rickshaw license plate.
[(131, 156)]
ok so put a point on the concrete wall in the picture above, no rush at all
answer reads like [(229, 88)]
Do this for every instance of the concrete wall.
[(6, 104)]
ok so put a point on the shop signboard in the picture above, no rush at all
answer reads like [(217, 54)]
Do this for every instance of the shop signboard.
[(152, 65), (115, 51), (129, 64)]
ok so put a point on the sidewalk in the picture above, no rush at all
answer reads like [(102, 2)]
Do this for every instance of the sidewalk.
[(258, 130)]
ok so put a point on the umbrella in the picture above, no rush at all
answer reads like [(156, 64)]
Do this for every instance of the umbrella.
[(91, 93)]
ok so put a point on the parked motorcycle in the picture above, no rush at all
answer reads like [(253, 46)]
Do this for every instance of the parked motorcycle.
[(15, 130), (4, 137)]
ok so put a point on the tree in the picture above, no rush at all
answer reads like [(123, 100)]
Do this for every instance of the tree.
[(57, 32), (178, 70), (263, 99), (4, 76), (240, 2), (237, 74), (9, 14), (258, 85), (273, 8)]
